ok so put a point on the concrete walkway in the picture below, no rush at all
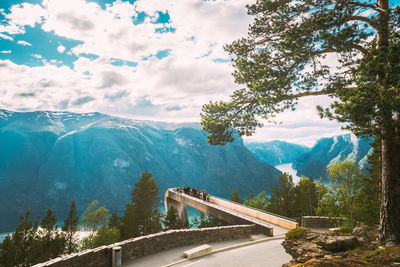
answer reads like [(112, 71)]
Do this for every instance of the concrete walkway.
[(255, 251), (278, 230)]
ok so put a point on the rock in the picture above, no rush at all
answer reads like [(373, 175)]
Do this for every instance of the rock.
[(319, 245), (343, 254), (302, 250), (358, 231), (337, 243), (390, 244)]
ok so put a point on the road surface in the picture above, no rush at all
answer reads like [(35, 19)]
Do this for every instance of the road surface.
[(269, 253)]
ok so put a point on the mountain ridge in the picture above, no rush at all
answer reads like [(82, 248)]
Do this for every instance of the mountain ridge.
[(49, 158)]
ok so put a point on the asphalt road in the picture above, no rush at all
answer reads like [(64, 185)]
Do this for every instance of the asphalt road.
[(266, 254)]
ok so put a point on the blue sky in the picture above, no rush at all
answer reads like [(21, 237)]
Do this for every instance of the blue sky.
[(145, 59)]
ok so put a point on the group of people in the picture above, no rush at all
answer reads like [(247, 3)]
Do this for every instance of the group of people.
[(194, 192)]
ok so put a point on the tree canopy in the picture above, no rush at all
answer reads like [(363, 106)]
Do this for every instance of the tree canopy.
[(93, 218), (142, 215), (284, 57)]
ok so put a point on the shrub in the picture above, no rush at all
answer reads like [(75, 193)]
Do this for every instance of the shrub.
[(296, 233)]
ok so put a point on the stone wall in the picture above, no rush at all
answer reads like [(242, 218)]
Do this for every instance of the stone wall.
[(319, 221), (145, 245)]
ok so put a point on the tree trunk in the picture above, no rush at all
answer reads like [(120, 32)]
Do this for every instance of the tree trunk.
[(389, 228)]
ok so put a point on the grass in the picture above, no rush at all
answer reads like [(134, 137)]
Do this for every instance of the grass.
[(296, 233), (344, 230)]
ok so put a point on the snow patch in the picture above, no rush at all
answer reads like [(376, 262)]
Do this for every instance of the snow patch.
[(60, 186), (65, 135), (121, 163), (334, 143), (181, 142), (364, 161)]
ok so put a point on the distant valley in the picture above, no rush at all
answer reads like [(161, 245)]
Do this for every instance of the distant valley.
[(312, 162)]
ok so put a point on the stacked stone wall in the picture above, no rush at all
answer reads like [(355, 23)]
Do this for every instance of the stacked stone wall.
[(320, 221), (146, 245)]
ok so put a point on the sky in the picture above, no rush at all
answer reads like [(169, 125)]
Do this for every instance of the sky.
[(157, 60)]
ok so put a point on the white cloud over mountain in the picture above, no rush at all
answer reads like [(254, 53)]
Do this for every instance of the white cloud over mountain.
[(118, 67)]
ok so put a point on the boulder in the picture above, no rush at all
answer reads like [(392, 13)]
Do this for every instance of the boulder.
[(318, 245), (336, 243)]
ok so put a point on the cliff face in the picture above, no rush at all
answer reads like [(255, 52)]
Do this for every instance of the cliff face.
[(49, 158), (276, 152), (331, 150)]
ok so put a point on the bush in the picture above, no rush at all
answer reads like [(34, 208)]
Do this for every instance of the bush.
[(296, 233)]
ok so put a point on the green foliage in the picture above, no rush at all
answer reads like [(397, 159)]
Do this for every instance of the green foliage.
[(70, 227), (285, 48), (305, 198), (282, 197), (343, 197), (296, 233), (142, 215), (93, 218), (21, 249), (104, 236), (114, 221), (48, 223), (282, 59), (28, 245), (260, 202), (171, 220), (128, 223), (205, 220), (371, 188), (51, 241), (235, 197)]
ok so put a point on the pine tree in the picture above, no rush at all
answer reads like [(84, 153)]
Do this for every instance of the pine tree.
[(282, 60), (235, 197), (52, 242), (305, 197), (114, 221), (282, 199), (21, 249), (171, 219), (71, 226), (142, 216), (262, 201), (93, 218)]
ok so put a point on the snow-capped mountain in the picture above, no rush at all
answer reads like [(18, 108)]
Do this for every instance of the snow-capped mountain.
[(331, 150), (49, 158), (276, 152)]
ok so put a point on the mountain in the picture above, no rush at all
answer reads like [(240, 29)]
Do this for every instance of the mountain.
[(49, 158), (276, 152), (332, 150)]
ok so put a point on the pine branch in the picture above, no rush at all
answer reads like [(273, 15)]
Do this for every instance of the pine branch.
[(369, 21), (365, 5)]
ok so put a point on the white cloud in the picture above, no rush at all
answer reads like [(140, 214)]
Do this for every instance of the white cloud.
[(25, 14), (3, 36), (38, 56), (5, 51), (24, 43), (302, 126), (61, 49), (171, 89)]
